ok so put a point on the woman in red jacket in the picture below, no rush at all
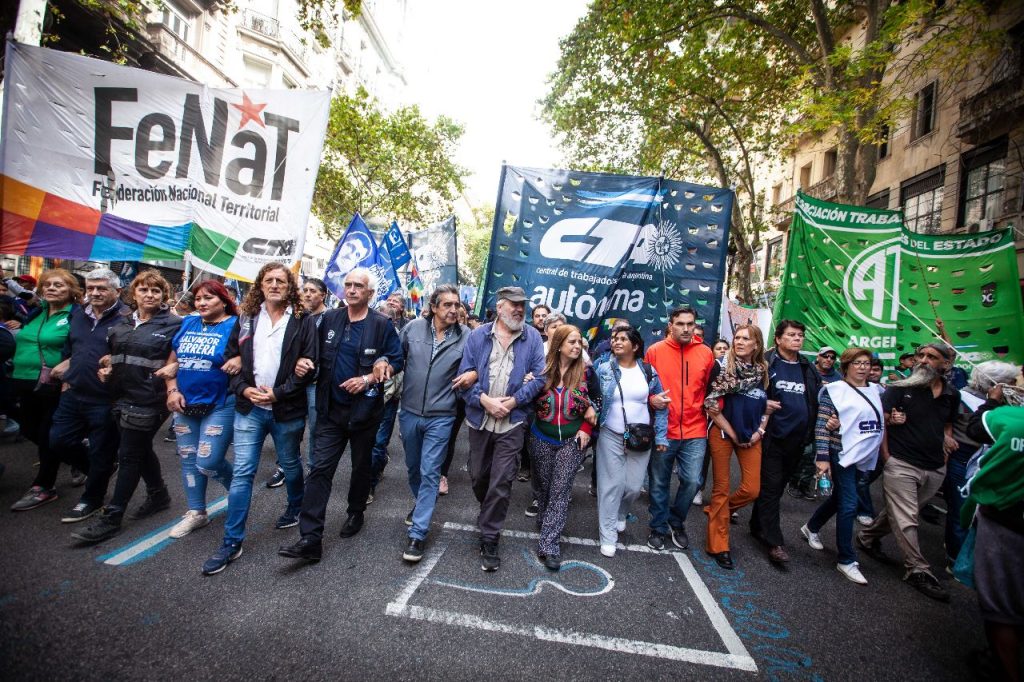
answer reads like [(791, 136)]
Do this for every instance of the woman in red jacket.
[(560, 433)]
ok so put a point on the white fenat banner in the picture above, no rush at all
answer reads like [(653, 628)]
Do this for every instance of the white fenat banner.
[(105, 162)]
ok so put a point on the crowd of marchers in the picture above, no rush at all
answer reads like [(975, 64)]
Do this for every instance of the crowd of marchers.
[(93, 372)]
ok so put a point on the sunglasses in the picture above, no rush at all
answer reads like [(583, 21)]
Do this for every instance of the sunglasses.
[(829, 356)]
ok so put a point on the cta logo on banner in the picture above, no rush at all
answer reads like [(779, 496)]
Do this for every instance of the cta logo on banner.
[(105, 162), (595, 246), (856, 277)]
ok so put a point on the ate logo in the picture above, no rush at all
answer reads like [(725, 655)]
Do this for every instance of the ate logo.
[(871, 284), (256, 155)]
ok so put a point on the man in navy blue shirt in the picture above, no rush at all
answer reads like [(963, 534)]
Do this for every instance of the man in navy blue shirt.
[(359, 350)]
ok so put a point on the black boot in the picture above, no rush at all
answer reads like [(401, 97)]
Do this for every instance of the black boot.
[(107, 525), (156, 501)]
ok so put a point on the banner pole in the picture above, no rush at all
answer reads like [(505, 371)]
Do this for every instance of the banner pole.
[(455, 238), (481, 300)]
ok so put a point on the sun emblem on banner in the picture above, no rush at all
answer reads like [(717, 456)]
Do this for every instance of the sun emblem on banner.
[(664, 246)]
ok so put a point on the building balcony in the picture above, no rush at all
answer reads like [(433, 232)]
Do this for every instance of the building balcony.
[(983, 112), (825, 189), (271, 30), (187, 58)]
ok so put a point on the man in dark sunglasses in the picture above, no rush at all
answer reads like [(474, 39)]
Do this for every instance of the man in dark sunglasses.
[(826, 365)]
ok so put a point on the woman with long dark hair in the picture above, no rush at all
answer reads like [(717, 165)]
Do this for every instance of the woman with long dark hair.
[(37, 350), (736, 403), (139, 346), (627, 382), (564, 416), (199, 398)]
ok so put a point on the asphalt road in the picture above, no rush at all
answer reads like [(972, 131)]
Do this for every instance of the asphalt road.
[(74, 612)]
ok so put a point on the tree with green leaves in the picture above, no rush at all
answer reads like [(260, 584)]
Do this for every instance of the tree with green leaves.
[(390, 165), (704, 89), (475, 243)]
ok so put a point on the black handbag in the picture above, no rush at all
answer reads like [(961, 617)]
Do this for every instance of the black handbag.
[(198, 410), (636, 436)]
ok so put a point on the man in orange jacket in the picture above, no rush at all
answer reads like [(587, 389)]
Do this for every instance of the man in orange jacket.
[(686, 367)]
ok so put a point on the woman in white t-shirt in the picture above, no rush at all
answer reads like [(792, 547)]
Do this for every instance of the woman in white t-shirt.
[(627, 383)]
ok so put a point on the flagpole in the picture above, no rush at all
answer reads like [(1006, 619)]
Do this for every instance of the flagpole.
[(455, 237), (481, 305)]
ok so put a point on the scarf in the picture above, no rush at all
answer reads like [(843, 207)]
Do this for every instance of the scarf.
[(745, 376)]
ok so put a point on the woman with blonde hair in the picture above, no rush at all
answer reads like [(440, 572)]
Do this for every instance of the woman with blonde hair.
[(564, 417), (38, 349), (737, 403)]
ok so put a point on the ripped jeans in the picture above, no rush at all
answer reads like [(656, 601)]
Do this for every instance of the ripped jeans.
[(202, 444)]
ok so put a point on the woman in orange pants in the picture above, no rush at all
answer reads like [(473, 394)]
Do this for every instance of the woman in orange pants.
[(738, 405)]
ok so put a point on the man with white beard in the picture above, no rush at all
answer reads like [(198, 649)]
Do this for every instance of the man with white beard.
[(508, 357), (919, 415)]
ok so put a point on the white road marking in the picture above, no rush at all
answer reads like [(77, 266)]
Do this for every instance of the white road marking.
[(737, 658)]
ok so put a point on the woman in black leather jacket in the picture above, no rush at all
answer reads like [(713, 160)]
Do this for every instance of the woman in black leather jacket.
[(139, 347)]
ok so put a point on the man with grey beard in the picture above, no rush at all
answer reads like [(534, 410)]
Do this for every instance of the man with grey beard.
[(919, 415), (504, 354)]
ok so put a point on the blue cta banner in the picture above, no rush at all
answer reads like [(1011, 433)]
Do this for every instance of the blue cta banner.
[(599, 247)]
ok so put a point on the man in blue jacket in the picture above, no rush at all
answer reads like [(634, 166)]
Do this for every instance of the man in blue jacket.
[(502, 353), (85, 404)]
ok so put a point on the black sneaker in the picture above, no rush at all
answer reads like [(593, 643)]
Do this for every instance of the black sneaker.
[(414, 552), (489, 559), (928, 586), (408, 517), (680, 539), (533, 509), (289, 519), (156, 502), (106, 526), (656, 540), (809, 494), (874, 550), (78, 478), (524, 475), (795, 492), (276, 481), (80, 512)]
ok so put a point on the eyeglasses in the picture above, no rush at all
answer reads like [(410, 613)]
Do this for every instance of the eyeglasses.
[(861, 363)]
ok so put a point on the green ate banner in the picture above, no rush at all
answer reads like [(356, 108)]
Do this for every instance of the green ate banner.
[(855, 277)]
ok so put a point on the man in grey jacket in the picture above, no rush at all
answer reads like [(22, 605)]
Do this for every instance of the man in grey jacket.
[(433, 350)]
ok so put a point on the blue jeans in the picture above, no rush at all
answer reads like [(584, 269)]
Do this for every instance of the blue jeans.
[(864, 480), (956, 476), (310, 420), (687, 458), (843, 505), (250, 432), (202, 445), (425, 440), (380, 446)]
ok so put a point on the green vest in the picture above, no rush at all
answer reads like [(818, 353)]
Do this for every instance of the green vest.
[(41, 333), (1000, 479)]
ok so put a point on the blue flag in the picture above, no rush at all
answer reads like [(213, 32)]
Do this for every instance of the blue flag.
[(355, 249), (394, 242)]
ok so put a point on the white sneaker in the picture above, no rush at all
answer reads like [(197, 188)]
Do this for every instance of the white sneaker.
[(608, 550), (192, 520), (698, 499), (852, 573), (620, 526), (865, 520), (812, 538)]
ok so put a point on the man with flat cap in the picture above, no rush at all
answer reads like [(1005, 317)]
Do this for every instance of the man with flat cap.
[(502, 353)]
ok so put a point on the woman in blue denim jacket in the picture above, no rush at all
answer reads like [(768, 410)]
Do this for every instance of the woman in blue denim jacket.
[(627, 383)]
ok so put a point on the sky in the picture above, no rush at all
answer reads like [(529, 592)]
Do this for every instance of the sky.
[(486, 65)]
